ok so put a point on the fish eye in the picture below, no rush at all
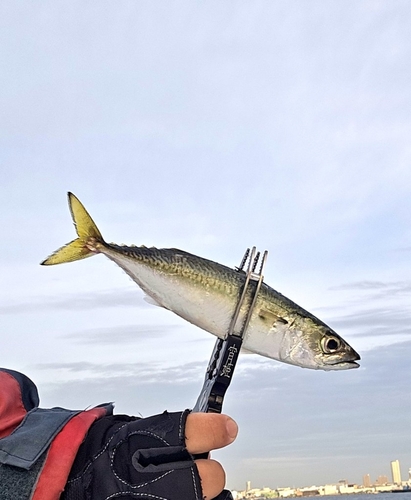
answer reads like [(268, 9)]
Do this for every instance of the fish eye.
[(330, 344)]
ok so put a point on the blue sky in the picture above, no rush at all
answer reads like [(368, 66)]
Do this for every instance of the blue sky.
[(211, 127)]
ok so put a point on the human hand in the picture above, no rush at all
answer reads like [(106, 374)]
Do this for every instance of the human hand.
[(205, 432), (153, 458)]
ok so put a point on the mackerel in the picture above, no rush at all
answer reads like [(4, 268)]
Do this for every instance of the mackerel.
[(206, 293)]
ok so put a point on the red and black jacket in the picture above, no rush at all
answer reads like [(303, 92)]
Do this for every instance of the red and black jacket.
[(37, 446)]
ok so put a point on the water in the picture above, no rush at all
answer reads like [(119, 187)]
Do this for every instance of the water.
[(370, 496)]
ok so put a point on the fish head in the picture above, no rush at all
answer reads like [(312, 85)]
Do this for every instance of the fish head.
[(313, 344)]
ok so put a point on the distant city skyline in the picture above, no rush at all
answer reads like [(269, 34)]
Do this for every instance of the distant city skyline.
[(396, 477), (367, 480), (381, 484)]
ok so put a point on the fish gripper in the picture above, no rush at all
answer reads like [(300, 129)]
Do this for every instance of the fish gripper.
[(225, 354)]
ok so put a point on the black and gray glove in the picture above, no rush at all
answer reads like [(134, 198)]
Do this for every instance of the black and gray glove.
[(130, 458)]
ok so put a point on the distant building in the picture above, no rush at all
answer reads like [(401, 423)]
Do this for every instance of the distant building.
[(381, 481), (347, 488), (310, 492), (396, 473), (248, 486), (366, 481), (286, 492), (330, 489)]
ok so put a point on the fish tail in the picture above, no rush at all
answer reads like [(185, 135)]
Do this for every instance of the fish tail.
[(88, 236)]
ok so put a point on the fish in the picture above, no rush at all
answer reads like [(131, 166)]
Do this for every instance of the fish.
[(206, 293)]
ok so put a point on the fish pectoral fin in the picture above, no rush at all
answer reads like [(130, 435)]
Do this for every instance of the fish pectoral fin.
[(246, 351), (271, 317), (153, 301)]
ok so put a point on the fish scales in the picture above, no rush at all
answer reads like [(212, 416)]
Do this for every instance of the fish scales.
[(203, 292), (188, 266), (207, 273)]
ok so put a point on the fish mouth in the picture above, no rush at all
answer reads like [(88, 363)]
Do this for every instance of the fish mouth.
[(346, 363), (343, 365)]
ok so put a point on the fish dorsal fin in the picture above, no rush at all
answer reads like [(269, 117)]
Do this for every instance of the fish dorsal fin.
[(271, 316), (177, 251)]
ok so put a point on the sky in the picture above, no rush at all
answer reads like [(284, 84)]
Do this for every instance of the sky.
[(211, 127)]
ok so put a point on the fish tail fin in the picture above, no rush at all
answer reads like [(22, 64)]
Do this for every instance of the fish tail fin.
[(88, 236)]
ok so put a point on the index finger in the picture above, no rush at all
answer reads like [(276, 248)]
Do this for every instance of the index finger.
[(209, 431)]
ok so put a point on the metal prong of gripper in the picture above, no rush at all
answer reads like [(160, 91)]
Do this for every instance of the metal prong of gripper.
[(243, 260), (250, 276)]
